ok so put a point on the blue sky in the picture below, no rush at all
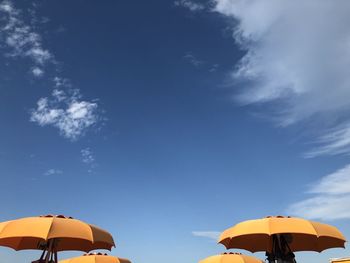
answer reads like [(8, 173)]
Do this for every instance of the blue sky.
[(166, 122)]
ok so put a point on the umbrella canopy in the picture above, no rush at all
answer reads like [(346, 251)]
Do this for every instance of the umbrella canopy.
[(96, 258), (52, 234), (66, 232), (296, 233), (229, 258)]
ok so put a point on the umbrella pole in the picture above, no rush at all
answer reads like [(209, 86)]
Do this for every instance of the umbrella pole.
[(270, 256), (282, 252), (47, 256), (55, 254), (290, 252), (49, 251), (275, 251), (42, 255)]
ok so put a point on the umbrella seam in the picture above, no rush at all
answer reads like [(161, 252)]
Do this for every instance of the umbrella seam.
[(48, 232)]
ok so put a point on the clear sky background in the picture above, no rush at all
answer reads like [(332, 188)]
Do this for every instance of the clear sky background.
[(166, 122)]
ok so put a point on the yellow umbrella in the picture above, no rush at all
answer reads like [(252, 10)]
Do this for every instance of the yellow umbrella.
[(53, 233), (281, 236), (229, 258), (95, 258)]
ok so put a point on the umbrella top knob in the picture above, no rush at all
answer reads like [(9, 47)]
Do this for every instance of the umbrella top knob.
[(95, 254), (278, 216), (57, 216), (231, 253)]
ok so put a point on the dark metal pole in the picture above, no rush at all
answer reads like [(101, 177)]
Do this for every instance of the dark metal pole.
[(55, 253)]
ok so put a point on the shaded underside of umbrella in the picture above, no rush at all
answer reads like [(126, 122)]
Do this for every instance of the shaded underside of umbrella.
[(257, 235), (96, 258), (231, 258), (66, 232)]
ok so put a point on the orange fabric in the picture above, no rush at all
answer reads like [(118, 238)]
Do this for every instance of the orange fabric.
[(255, 235), (96, 259), (71, 234), (231, 258)]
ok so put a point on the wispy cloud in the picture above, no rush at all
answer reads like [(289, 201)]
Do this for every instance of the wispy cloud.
[(208, 234), (52, 172), (61, 82), (192, 59), (87, 156), (71, 115), (335, 141), (191, 5), (20, 38), (65, 109), (199, 63), (331, 198), (298, 59), (37, 72), (213, 68)]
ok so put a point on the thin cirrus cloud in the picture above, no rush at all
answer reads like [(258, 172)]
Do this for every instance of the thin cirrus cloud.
[(53, 172), (214, 235), (191, 5), (330, 198), (21, 40), (198, 63), (336, 141), (299, 59), (193, 60)]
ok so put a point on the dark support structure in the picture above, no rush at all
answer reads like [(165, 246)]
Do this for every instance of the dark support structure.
[(49, 254), (281, 252)]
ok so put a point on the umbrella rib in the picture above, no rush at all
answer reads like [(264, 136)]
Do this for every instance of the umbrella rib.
[(269, 227), (92, 234), (319, 249), (6, 225), (313, 227), (48, 232)]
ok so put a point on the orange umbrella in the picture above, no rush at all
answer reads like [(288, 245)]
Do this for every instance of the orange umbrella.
[(229, 258), (95, 258), (53, 233), (256, 235), (280, 236)]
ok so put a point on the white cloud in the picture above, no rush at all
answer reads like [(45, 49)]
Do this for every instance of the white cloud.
[(65, 109), (331, 198), (20, 38), (67, 112), (191, 5), (38, 72), (298, 55), (59, 95), (334, 184), (192, 59), (208, 234), (39, 55), (336, 141), (323, 207), (52, 172), (87, 156), (214, 68), (61, 82), (6, 6)]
